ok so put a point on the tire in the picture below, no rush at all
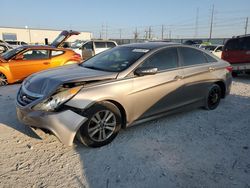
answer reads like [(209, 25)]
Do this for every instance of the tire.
[(102, 126), (234, 74), (213, 97), (3, 80)]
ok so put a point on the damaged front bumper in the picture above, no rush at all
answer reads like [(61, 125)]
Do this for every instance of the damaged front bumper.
[(63, 124)]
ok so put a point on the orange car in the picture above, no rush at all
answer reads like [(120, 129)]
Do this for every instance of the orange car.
[(17, 64)]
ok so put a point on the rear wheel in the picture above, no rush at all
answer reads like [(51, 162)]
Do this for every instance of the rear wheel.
[(213, 97), (234, 74), (3, 80), (102, 126)]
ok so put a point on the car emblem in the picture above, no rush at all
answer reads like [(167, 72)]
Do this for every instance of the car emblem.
[(24, 97)]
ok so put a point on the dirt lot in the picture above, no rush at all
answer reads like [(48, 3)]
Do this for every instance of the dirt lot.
[(192, 149)]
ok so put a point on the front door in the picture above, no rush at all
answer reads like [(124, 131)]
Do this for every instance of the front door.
[(154, 94)]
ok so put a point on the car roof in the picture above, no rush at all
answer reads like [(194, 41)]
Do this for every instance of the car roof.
[(151, 45), (38, 47)]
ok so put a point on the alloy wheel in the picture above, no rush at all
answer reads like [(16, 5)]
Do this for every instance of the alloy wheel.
[(3, 80), (214, 97), (102, 125)]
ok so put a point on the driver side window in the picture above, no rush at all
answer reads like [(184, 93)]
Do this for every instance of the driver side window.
[(162, 60), (36, 54), (88, 46)]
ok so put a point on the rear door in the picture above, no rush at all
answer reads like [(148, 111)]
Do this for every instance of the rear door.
[(32, 61), (197, 70), (153, 94)]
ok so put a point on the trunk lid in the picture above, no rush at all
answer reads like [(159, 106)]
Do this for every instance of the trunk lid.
[(62, 37)]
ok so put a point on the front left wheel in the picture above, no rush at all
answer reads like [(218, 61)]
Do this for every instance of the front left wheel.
[(3, 80), (102, 126)]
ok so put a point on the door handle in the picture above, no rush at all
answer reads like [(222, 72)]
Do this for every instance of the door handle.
[(178, 77), (211, 69), (46, 63)]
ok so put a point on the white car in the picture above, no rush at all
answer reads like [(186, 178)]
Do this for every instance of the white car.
[(88, 49), (218, 51), (214, 49)]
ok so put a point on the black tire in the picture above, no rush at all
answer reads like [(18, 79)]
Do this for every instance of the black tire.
[(102, 117), (234, 74), (3, 80), (213, 97)]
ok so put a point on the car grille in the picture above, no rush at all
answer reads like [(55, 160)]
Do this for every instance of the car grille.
[(23, 98)]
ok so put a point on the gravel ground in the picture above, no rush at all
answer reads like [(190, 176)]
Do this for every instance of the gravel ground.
[(192, 149)]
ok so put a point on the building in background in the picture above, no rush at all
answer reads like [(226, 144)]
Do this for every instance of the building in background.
[(37, 36)]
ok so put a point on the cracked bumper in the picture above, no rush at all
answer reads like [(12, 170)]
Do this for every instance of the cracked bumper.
[(63, 124)]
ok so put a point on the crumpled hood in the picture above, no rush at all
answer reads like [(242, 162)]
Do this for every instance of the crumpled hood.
[(48, 81)]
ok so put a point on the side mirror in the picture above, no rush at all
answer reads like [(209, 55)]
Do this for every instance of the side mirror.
[(141, 71), (19, 57)]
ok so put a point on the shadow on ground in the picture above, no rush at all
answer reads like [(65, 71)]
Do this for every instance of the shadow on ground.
[(191, 149), (8, 112)]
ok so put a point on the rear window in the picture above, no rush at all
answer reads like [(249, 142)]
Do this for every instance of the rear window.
[(110, 45), (56, 53), (100, 44), (246, 43), (209, 58), (242, 43), (192, 56), (232, 44)]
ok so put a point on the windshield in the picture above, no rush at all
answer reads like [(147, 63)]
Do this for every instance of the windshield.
[(115, 60), (9, 54)]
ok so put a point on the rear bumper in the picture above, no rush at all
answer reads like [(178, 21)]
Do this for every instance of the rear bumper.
[(63, 124), (241, 66)]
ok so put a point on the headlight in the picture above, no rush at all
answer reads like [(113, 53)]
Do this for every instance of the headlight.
[(57, 99)]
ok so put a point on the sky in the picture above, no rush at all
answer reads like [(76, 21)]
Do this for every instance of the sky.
[(178, 18)]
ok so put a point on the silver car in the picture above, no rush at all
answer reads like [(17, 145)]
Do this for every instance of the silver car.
[(121, 87)]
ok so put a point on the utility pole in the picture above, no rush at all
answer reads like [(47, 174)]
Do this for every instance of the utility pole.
[(120, 32), (106, 31), (246, 26), (211, 26), (162, 32), (170, 33), (149, 32), (102, 31), (196, 22), (146, 34), (136, 34)]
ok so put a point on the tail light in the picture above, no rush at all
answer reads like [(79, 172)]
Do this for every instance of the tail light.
[(229, 68), (76, 56)]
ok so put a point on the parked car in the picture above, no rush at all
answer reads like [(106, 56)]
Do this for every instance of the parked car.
[(4, 47), (126, 85), (88, 49), (237, 52), (17, 64), (214, 49), (15, 43), (193, 42)]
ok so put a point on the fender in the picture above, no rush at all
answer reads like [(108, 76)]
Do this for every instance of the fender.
[(5, 70)]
